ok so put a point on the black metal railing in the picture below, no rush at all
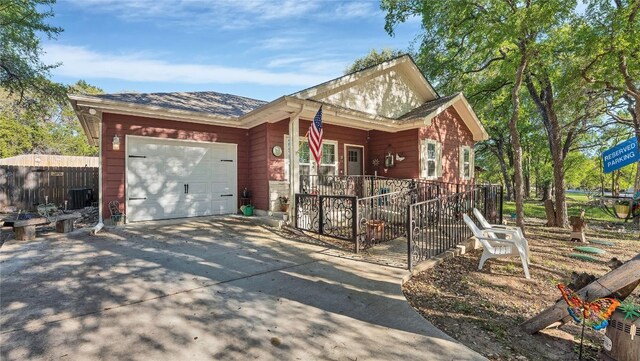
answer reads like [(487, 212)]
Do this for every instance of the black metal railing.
[(435, 226), (367, 186), (334, 216), (382, 217), (368, 210)]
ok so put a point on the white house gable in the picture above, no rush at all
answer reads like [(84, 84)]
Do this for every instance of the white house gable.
[(389, 89), (387, 94)]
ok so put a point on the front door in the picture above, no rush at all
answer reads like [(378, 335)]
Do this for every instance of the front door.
[(354, 161)]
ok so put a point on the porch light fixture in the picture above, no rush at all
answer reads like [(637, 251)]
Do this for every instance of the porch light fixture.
[(116, 142), (389, 157)]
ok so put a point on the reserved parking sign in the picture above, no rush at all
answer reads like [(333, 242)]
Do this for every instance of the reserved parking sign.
[(621, 155)]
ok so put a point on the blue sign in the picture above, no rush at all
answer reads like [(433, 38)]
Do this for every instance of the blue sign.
[(622, 154)]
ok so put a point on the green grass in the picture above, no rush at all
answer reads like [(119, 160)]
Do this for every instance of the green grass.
[(577, 197), (575, 202)]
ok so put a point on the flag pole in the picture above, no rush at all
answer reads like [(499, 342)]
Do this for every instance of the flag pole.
[(302, 141)]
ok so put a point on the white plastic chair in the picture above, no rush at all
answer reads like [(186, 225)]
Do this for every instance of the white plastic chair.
[(486, 226), (494, 247)]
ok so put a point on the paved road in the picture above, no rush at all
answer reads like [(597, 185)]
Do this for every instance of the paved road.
[(202, 289)]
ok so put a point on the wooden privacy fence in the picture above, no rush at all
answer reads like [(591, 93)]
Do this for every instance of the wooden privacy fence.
[(26, 187)]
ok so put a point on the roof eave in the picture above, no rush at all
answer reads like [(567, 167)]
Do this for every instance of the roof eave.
[(341, 116), (481, 133), (116, 107), (470, 119), (84, 120)]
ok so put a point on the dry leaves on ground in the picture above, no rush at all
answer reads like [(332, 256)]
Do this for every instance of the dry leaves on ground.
[(483, 309)]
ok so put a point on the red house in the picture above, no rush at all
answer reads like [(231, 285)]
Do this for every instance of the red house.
[(173, 155)]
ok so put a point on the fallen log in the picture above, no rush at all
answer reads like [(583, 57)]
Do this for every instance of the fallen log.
[(619, 280)]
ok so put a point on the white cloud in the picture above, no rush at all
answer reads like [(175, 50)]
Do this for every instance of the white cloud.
[(357, 10), (278, 43), (323, 66), (286, 61), (228, 14), (79, 62)]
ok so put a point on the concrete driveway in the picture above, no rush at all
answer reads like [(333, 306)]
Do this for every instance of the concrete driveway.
[(204, 289)]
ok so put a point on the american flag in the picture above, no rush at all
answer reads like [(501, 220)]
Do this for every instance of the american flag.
[(315, 136)]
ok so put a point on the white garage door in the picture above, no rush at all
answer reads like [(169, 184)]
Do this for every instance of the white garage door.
[(175, 179)]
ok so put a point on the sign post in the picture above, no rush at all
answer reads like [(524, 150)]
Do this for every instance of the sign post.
[(621, 155)]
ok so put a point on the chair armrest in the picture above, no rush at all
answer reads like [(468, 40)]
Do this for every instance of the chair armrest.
[(498, 240), (500, 226), (508, 232)]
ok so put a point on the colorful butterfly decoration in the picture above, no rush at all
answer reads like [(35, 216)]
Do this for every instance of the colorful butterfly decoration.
[(593, 314)]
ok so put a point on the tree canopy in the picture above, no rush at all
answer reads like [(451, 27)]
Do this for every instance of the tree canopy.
[(537, 72), (23, 75), (373, 58), (51, 128)]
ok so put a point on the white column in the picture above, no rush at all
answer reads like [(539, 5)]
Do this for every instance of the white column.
[(294, 158)]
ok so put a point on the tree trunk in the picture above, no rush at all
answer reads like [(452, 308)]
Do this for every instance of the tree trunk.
[(504, 170), (544, 102), (527, 180), (632, 95), (636, 186), (546, 192), (635, 117), (562, 217), (550, 212), (515, 141)]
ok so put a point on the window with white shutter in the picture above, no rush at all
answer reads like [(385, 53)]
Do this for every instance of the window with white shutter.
[(307, 165), (430, 159), (466, 163)]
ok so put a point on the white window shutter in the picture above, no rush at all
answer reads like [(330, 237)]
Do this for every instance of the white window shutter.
[(287, 150), (461, 161), (439, 160), (472, 162), (423, 159)]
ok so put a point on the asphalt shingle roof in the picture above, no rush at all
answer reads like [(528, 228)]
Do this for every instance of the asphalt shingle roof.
[(221, 104), (425, 109)]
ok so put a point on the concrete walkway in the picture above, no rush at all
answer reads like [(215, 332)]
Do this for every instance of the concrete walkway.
[(204, 289)]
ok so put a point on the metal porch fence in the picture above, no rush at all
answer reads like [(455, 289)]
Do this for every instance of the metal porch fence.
[(371, 210), (436, 225), (368, 186)]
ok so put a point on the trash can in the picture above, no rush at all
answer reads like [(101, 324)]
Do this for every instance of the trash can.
[(80, 197)]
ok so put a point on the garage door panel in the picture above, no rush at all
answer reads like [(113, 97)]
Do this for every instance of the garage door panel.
[(221, 206), (222, 152), (199, 171), (163, 207), (198, 205), (172, 179), (143, 168), (195, 153), (144, 149), (199, 188)]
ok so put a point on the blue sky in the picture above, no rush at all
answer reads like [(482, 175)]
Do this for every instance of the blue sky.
[(257, 48)]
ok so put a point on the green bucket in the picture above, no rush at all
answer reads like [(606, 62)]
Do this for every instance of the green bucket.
[(247, 210)]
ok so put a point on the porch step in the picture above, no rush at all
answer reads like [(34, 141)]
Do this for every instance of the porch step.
[(271, 219)]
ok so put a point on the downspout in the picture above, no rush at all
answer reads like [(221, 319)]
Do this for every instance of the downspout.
[(100, 224)]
